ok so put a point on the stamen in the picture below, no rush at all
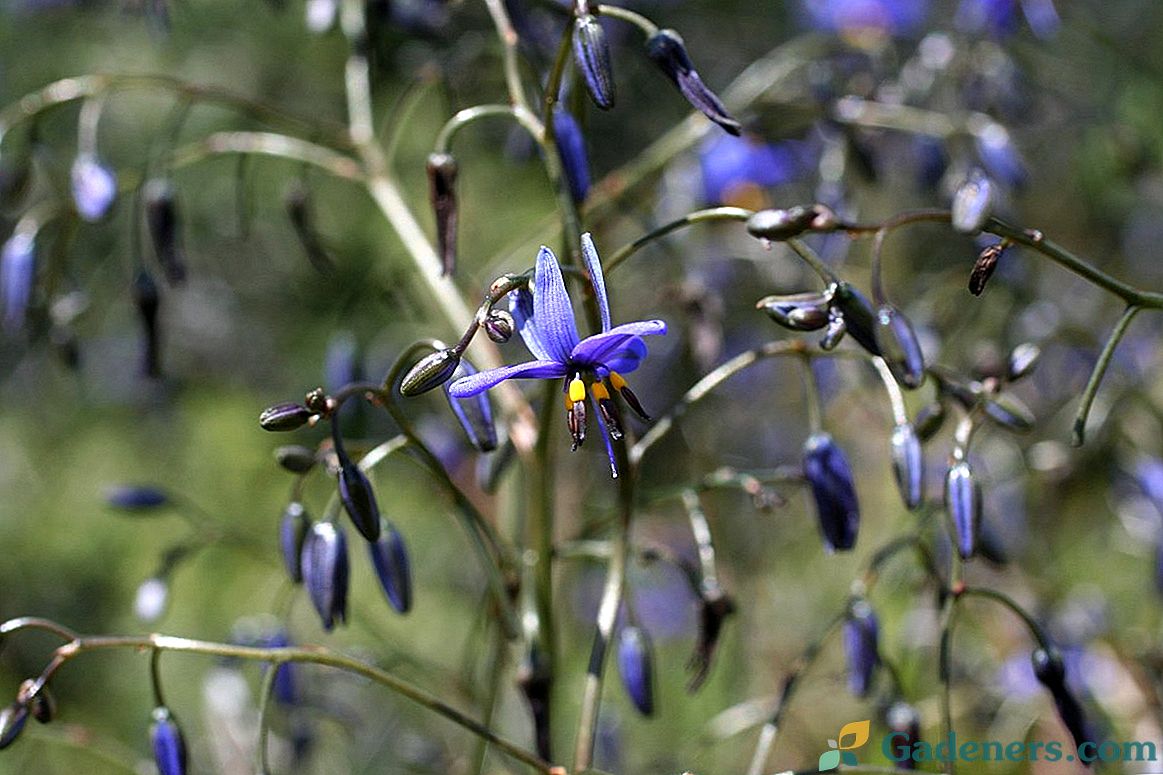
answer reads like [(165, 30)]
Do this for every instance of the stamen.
[(577, 390), (575, 408), (606, 407), (619, 384)]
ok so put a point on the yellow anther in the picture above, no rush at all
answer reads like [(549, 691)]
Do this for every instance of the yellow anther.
[(599, 391), (568, 403), (577, 390), (617, 381)]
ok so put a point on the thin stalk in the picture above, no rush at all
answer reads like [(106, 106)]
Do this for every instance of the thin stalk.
[(556, 74), (463, 118), (896, 397), (269, 144), (699, 216), (266, 690), (814, 261), (916, 216), (811, 395), (649, 28), (1099, 371), (155, 678), (1031, 624), (945, 669)]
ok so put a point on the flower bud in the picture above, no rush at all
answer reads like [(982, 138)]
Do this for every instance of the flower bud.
[(169, 747), (963, 501), (295, 458), (1050, 671), (830, 478), (571, 147), (972, 203), (94, 187), (153, 595), (798, 312), (161, 215), (499, 326), (475, 413), (780, 225), (859, 319), (130, 497), (148, 301), (929, 420), (636, 666), (835, 330), (904, 723), (667, 50), (429, 372), (358, 497), (17, 276), (325, 571), (899, 347), (390, 559), (292, 532), (984, 267), (1009, 412), (43, 706), (861, 647), (12, 720), (999, 155), (442, 171), (591, 52), (908, 464), (286, 416), (1022, 360)]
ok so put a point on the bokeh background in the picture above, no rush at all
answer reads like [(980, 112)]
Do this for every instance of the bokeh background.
[(255, 323)]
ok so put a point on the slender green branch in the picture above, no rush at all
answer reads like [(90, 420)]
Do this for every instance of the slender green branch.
[(945, 668), (265, 692), (814, 261), (155, 678), (699, 216), (702, 533), (1031, 624), (1104, 359), (896, 397), (269, 144), (393, 127), (812, 399), (649, 28), (463, 118), (556, 74), (903, 219)]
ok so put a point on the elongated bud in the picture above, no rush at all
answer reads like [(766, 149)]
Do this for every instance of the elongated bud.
[(147, 299), (132, 497), (798, 312), (908, 464), (904, 723), (972, 203), (861, 647), (475, 413), (984, 267), (1022, 361), (286, 416), (780, 225), (325, 572), (990, 546), (1008, 412), (295, 458), (1050, 671), (571, 147), (161, 215), (929, 420), (963, 501), (636, 666), (830, 478), (431, 371), (591, 52), (94, 187), (390, 559), (169, 746), (667, 50), (499, 326), (12, 720), (301, 213), (359, 499), (442, 171), (292, 532), (899, 347), (859, 318), (834, 332), (17, 277), (42, 706)]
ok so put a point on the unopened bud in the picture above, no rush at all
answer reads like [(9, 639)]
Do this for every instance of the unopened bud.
[(591, 52), (442, 170), (431, 371), (284, 417), (499, 326), (295, 458), (984, 267)]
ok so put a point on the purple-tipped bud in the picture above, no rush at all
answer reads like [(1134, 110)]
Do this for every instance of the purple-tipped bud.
[(591, 52), (431, 371), (94, 187), (571, 148), (830, 478), (301, 213), (12, 720), (667, 50), (899, 347), (972, 203), (325, 572), (161, 215), (17, 275), (999, 155), (904, 723), (963, 501), (131, 497), (169, 747), (861, 647), (442, 171), (359, 499), (984, 267), (295, 458), (908, 464), (1022, 361), (148, 301), (780, 225), (929, 420), (1008, 412), (390, 560), (286, 416), (1050, 671), (499, 326), (859, 319), (292, 532), (475, 413), (636, 666), (798, 312)]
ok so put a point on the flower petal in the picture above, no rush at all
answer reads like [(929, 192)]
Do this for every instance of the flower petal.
[(552, 312), (594, 270), (599, 349), (628, 358), (521, 308), (476, 383)]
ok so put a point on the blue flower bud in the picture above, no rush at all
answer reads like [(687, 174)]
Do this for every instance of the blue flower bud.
[(359, 499), (830, 478), (442, 172), (499, 326), (1050, 671), (999, 156), (963, 501), (17, 275), (859, 319), (571, 147), (929, 420), (899, 347), (861, 647), (798, 312), (390, 560), (591, 52), (431, 371), (325, 571), (1009, 412), (169, 747), (12, 720), (94, 187), (972, 203), (636, 666), (292, 532), (475, 413), (161, 215), (667, 50), (1022, 360), (908, 464), (904, 723), (132, 497), (286, 416)]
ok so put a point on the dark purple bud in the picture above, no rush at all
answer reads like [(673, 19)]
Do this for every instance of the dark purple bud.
[(929, 420), (1009, 412), (591, 52), (286, 416), (169, 747), (17, 275), (571, 148), (296, 459), (94, 187), (390, 559), (972, 203), (904, 723), (301, 213), (1023, 359), (990, 546), (442, 171), (292, 532), (43, 706), (358, 497), (475, 413), (830, 478), (859, 319), (798, 312), (861, 647), (780, 225), (667, 49), (148, 301), (1050, 671), (899, 347), (431, 371), (908, 464), (325, 571), (714, 608), (131, 497), (12, 720), (999, 155), (984, 267), (835, 330), (499, 326), (636, 666), (161, 215), (963, 501)]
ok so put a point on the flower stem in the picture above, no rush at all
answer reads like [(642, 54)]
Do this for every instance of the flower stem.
[(1099, 371), (699, 216)]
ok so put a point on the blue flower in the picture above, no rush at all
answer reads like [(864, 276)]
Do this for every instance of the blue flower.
[(853, 17), (738, 170), (94, 187), (593, 365)]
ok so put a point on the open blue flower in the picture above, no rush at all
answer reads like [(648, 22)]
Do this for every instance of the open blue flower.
[(590, 366)]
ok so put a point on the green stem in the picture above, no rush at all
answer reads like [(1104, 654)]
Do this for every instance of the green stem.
[(811, 394), (463, 118), (266, 690), (896, 397), (699, 216), (155, 678), (945, 669), (1031, 624), (269, 144), (1099, 371), (649, 28), (553, 84), (814, 261)]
